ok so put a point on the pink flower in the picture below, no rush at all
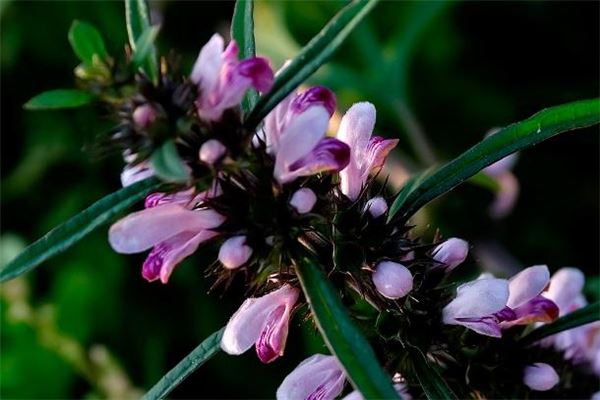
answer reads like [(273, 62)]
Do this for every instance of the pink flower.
[(319, 377), (262, 321), (451, 252), (540, 377), (211, 151), (376, 206), (367, 153), (171, 225), (144, 115), (303, 200), (234, 252), (133, 173), (392, 280), (223, 80), (294, 133)]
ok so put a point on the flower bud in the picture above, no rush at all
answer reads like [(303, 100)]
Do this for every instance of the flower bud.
[(376, 206), (540, 377), (452, 252), (303, 200), (211, 151), (144, 115), (234, 252), (392, 280)]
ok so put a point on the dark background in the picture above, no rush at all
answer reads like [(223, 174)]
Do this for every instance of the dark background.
[(458, 68)]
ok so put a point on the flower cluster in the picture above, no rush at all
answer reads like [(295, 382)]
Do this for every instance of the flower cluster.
[(292, 188)]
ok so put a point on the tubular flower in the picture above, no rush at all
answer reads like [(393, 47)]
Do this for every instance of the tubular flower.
[(319, 377), (294, 133), (223, 80), (263, 322), (452, 253), (367, 154), (376, 206), (392, 280), (540, 377), (234, 252), (171, 226)]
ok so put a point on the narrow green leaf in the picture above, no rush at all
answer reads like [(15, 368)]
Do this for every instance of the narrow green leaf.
[(515, 137), (144, 47), (70, 232), (206, 350), (431, 381), (485, 181), (86, 42), (311, 57), (137, 18), (167, 165), (343, 338), (585, 315), (59, 98), (242, 31)]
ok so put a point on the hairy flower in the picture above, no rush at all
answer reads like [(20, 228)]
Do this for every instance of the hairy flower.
[(223, 80), (319, 377), (262, 321), (367, 154)]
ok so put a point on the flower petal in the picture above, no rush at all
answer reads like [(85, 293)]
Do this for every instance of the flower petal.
[(318, 377), (527, 284), (135, 173), (207, 69), (566, 284), (506, 197), (540, 377), (538, 309), (317, 95), (377, 151), (477, 299), (329, 155)]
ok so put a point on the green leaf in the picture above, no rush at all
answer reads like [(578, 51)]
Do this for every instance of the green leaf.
[(138, 21), (585, 315), (60, 98), (485, 181), (207, 349), (518, 136), (242, 31), (144, 47), (341, 335), (86, 42), (70, 232), (431, 381), (311, 57), (167, 164)]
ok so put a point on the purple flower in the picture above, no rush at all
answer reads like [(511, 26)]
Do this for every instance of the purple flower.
[(367, 154), (262, 321), (144, 115), (392, 280), (223, 80), (294, 133), (303, 200), (211, 151), (451, 252), (234, 252), (376, 206), (171, 226), (540, 377), (319, 377)]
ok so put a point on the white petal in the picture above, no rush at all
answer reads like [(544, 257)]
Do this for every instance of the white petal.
[(477, 299), (207, 69), (527, 284), (317, 373)]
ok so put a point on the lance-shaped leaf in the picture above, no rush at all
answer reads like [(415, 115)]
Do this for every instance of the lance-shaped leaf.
[(60, 98), (342, 337), (167, 164), (515, 137), (311, 57), (144, 47), (87, 42), (242, 31), (137, 18), (431, 381), (70, 232), (206, 350), (585, 315)]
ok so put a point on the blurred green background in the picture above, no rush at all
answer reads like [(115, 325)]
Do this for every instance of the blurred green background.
[(86, 324)]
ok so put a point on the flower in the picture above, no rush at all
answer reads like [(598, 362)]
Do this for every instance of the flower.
[(294, 133), (376, 206), (144, 115), (540, 377), (319, 377), (211, 151), (392, 280), (261, 321), (367, 153), (234, 252), (135, 172), (451, 252), (170, 225), (303, 200), (223, 80)]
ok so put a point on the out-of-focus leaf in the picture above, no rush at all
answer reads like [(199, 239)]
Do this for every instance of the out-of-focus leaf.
[(60, 98), (167, 165), (431, 381), (342, 337), (515, 137), (312, 56), (86, 42), (137, 18), (242, 31), (144, 47), (585, 315), (70, 232), (485, 181), (207, 349)]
